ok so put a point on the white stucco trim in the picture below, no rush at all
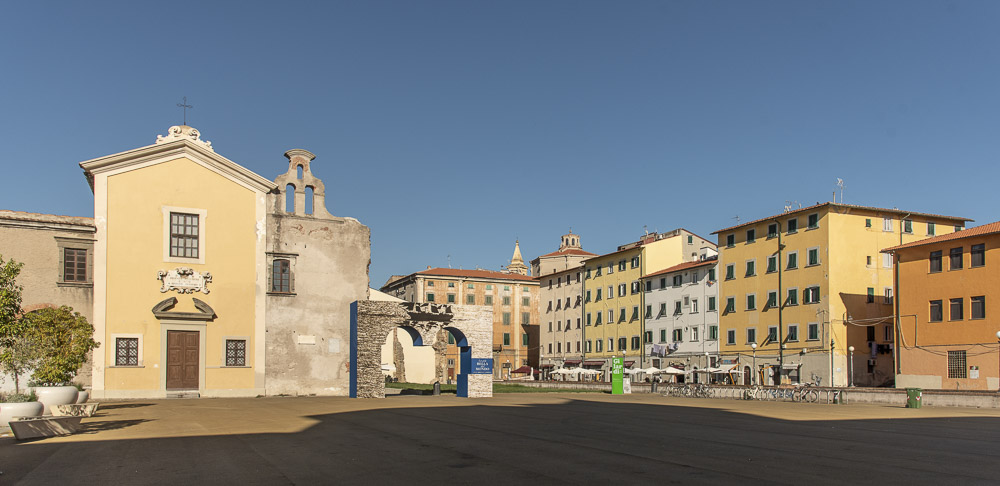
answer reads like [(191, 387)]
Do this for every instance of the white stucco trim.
[(202, 229), (100, 282), (260, 296)]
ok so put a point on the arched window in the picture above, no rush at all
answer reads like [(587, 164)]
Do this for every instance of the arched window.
[(309, 200), (298, 172), (281, 276), (290, 198)]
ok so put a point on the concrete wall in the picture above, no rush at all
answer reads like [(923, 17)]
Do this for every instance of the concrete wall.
[(37, 240), (308, 329)]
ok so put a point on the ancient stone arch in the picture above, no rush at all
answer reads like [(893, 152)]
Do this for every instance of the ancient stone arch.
[(372, 321)]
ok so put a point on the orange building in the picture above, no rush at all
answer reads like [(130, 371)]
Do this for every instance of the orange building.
[(948, 335)]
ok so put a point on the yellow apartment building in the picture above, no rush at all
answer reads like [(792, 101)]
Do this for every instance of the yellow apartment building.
[(799, 289), (614, 324), (945, 286)]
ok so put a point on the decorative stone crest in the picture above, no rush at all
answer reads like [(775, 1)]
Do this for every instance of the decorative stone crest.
[(184, 132), (184, 280)]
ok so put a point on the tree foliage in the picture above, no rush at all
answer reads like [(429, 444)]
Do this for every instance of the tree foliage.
[(62, 340), (16, 355)]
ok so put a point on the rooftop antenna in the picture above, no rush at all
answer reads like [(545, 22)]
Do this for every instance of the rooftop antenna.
[(645, 230), (185, 106), (841, 185), (449, 260), (737, 218)]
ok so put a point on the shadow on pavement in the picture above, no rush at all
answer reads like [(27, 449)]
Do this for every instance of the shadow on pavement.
[(95, 427), (114, 406), (578, 441)]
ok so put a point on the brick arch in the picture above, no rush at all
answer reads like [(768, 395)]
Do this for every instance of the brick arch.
[(372, 321)]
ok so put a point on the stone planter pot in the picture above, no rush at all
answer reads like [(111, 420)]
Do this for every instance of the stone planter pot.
[(83, 396), (51, 396), (22, 409)]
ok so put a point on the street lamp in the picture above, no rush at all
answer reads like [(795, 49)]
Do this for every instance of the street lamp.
[(753, 346), (708, 379), (850, 366)]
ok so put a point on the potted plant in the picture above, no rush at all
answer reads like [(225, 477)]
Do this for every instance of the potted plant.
[(62, 340), (83, 395), (13, 405)]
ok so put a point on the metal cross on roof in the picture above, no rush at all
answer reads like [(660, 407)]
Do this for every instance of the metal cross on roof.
[(185, 106)]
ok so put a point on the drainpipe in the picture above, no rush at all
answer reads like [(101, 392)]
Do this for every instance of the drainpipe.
[(895, 301), (642, 311), (781, 339)]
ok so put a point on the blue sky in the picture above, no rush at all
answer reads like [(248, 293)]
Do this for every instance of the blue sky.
[(452, 128)]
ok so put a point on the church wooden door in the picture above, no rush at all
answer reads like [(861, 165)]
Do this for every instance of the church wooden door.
[(182, 360)]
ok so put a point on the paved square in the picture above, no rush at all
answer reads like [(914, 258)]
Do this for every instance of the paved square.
[(511, 439)]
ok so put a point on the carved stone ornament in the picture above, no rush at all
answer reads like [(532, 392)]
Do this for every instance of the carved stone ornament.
[(184, 280), (184, 132)]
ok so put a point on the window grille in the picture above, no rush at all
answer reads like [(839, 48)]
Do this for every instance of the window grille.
[(956, 364), (127, 352), (236, 352)]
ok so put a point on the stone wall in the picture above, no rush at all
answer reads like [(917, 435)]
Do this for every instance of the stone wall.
[(308, 329), (372, 321)]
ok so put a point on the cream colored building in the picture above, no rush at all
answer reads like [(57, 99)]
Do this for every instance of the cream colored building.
[(560, 275)]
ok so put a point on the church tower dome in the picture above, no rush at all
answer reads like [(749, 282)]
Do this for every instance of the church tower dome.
[(570, 240)]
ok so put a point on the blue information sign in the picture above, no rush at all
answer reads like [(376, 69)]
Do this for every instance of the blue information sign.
[(482, 366)]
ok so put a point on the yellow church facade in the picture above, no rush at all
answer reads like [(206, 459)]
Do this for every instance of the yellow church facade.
[(180, 271)]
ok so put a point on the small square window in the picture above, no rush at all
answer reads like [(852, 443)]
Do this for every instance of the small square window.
[(127, 352), (813, 221), (236, 352)]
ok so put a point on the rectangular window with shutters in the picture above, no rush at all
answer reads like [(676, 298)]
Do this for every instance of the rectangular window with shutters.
[(930, 229), (730, 271), (977, 256), (127, 351), (957, 364), (751, 235), (506, 318), (451, 298), (957, 306), (621, 315), (488, 300), (935, 261), (772, 299), (751, 301), (810, 295), (622, 343), (772, 264), (793, 225), (526, 301), (772, 334), (813, 221), (470, 299), (751, 335), (751, 268), (74, 265), (635, 342), (730, 241), (677, 335), (525, 318), (506, 339), (663, 335), (711, 304), (813, 331), (978, 310), (871, 295), (730, 305), (236, 352), (907, 226), (184, 232), (793, 260), (936, 311), (649, 312), (793, 332), (713, 333), (955, 259), (731, 336), (711, 274), (505, 300), (792, 297), (524, 339), (772, 230), (812, 256)]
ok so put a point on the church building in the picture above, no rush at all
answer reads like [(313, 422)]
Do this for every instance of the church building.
[(211, 280)]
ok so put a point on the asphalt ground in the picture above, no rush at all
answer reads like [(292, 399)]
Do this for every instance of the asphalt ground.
[(511, 439)]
